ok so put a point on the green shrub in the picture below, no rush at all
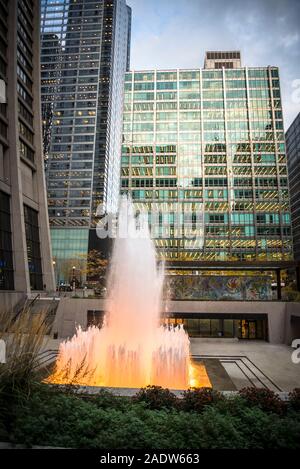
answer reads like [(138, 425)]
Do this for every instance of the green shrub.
[(50, 417), (156, 397), (263, 398), (255, 428), (86, 425), (197, 399), (294, 399), (107, 400)]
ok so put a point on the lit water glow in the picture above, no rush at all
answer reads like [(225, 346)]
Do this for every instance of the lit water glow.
[(132, 349)]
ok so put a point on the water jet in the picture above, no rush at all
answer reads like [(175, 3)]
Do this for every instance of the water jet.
[(132, 349)]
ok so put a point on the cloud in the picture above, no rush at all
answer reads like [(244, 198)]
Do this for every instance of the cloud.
[(290, 39), (176, 34)]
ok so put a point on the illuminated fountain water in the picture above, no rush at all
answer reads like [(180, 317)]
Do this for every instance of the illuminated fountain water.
[(132, 349)]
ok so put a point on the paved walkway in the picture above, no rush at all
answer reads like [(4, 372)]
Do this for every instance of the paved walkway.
[(270, 363), (246, 362)]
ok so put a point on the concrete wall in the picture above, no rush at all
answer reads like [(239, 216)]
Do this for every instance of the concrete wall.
[(276, 312), (9, 299), (292, 330), (73, 311)]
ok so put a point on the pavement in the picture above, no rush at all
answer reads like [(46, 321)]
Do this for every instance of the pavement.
[(246, 363), (252, 362)]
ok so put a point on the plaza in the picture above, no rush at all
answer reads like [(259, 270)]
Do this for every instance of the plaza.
[(232, 365)]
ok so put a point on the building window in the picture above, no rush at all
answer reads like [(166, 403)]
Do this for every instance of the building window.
[(95, 318), (33, 248), (26, 151), (6, 259)]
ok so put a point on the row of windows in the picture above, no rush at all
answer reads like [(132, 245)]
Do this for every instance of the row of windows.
[(259, 105), (193, 126), (213, 182), (257, 148), (24, 94), (33, 248), (193, 169), (6, 258), (195, 85), (24, 48), (248, 218), (24, 61), (70, 213), (24, 77), (263, 118), (208, 137), (167, 195), (247, 231), (212, 94), (193, 157), (209, 207), (195, 74), (25, 132), (26, 151), (25, 113)]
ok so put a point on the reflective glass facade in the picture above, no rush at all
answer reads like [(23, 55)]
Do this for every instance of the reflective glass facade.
[(6, 254), (293, 156), (33, 248), (210, 141), (85, 52), (249, 329)]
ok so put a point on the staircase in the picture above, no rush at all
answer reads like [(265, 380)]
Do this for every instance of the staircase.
[(243, 372)]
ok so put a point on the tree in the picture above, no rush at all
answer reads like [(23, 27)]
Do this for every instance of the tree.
[(96, 266)]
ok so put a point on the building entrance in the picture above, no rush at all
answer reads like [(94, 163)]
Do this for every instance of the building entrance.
[(226, 327)]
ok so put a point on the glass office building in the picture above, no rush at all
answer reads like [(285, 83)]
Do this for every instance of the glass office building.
[(293, 156), (85, 53), (211, 142)]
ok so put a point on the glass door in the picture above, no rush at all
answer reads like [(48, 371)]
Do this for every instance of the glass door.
[(244, 329), (248, 329), (252, 329)]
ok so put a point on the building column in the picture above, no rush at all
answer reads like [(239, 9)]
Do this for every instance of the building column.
[(278, 284), (298, 277)]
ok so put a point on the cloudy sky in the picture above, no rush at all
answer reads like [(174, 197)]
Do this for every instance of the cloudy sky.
[(176, 34)]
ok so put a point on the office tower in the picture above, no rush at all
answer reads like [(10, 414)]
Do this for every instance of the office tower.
[(85, 53), (209, 141), (25, 254), (220, 59), (293, 159)]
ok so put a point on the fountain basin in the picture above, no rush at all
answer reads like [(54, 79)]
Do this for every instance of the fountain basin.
[(198, 378)]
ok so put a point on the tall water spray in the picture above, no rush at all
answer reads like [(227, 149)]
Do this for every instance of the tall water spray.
[(132, 349)]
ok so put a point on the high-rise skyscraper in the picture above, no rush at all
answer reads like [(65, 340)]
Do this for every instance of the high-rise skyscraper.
[(293, 157), (209, 141), (25, 254), (85, 53)]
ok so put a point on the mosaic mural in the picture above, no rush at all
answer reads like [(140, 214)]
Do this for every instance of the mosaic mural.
[(213, 287)]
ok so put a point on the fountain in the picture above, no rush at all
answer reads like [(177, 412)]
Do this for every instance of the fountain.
[(132, 349)]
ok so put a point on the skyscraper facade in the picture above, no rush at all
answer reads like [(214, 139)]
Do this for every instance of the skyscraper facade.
[(211, 142), (85, 53), (293, 157), (25, 254)]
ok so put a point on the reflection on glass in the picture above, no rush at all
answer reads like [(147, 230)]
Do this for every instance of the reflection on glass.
[(204, 327), (228, 328)]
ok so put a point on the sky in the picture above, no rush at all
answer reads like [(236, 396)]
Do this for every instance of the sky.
[(176, 34)]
